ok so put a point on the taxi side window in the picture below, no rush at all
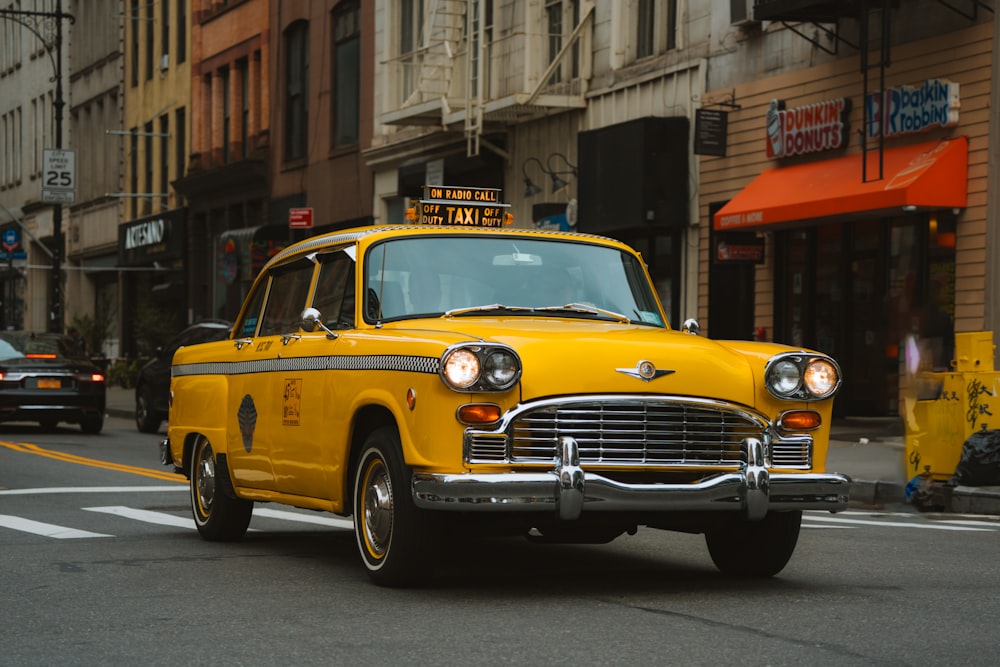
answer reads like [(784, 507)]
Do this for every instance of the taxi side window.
[(251, 315), (286, 299), (334, 297)]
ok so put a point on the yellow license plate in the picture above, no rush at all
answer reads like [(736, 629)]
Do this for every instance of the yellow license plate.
[(49, 383)]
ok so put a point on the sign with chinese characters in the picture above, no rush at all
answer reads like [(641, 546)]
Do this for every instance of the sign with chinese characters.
[(911, 109), (808, 129)]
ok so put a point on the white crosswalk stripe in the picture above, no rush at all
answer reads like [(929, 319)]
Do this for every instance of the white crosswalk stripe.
[(918, 523), (147, 516), (45, 529), (318, 519), (850, 520)]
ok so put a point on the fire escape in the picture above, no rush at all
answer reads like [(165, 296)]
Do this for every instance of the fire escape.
[(467, 74), (873, 42)]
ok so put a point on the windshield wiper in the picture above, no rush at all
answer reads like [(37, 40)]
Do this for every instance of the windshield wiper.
[(585, 308), (486, 309)]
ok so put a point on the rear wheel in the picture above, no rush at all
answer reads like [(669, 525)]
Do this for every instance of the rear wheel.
[(145, 418), (755, 548), (396, 539), (92, 424), (219, 517)]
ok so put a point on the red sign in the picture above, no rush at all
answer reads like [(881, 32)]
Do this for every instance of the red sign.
[(300, 218)]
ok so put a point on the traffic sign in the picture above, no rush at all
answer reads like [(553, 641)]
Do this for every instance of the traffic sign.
[(58, 176), (11, 238), (300, 218)]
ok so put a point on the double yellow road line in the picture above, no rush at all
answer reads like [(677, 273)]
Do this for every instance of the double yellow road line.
[(28, 448)]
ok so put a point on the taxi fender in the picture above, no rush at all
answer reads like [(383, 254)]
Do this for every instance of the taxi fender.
[(200, 409), (395, 406)]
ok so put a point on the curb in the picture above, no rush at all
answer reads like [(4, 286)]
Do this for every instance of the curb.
[(876, 493)]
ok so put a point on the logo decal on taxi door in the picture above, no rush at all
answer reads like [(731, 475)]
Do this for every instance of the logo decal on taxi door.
[(292, 402)]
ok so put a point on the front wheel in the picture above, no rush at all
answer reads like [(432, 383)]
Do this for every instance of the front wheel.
[(755, 548), (146, 419), (219, 517), (395, 538)]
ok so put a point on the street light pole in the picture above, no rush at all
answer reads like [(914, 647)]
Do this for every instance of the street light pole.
[(36, 21)]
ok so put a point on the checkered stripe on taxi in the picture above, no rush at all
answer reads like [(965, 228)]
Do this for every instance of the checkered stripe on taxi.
[(364, 362)]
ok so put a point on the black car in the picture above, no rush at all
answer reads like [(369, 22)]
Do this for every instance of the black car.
[(47, 378), (152, 387)]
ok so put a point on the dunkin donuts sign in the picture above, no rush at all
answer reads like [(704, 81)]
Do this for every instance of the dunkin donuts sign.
[(815, 127)]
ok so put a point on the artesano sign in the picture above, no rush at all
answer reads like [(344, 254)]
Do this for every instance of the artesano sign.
[(816, 127), (144, 234), (907, 109)]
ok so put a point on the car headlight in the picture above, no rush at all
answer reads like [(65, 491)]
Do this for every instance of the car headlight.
[(797, 375), (480, 367)]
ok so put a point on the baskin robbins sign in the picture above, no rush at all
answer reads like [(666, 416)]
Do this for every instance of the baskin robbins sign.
[(808, 129), (911, 109)]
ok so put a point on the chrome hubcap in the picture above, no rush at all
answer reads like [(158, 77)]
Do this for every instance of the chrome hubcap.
[(378, 509), (206, 479)]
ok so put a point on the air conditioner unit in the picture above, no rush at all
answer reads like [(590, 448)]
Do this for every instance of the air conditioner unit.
[(741, 12), (164, 61)]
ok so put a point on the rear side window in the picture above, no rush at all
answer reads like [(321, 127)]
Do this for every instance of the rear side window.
[(334, 297), (286, 298)]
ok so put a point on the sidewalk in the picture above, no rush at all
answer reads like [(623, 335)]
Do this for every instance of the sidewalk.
[(870, 451), (873, 452)]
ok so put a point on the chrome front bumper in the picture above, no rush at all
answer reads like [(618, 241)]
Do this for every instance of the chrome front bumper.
[(568, 490)]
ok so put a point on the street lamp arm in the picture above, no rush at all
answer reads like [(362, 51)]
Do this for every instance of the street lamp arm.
[(40, 21)]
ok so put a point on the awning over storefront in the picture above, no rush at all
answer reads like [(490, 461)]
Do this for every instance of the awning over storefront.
[(926, 176)]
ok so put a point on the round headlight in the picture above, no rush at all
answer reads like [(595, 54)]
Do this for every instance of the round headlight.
[(461, 368), (500, 369), (820, 378), (784, 377)]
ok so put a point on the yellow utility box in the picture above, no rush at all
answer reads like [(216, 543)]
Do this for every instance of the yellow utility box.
[(944, 408)]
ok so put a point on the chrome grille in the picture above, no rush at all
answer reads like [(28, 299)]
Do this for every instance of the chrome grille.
[(631, 433)]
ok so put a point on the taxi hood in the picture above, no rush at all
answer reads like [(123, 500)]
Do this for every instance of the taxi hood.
[(569, 356)]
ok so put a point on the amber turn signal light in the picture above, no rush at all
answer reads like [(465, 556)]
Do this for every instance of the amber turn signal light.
[(479, 413), (799, 420)]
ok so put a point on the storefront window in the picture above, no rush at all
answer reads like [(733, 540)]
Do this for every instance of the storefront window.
[(860, 291)]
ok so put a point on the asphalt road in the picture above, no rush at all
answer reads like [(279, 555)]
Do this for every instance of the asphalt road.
[(137, 586)]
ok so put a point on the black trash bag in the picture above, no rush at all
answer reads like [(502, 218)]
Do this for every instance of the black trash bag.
[(980, 462)]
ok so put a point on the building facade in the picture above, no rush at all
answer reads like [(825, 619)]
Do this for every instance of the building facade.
[(581, 111), (322, 73), (226, 184), (34, 80), (96, 119), (850, 220), (152, 234)]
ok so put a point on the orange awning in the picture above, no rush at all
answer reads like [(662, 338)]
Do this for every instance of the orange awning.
[(931, 175)]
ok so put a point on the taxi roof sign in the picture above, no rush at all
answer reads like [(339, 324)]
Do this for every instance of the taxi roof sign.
[(472, 207)]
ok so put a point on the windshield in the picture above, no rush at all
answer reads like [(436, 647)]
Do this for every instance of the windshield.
[(466, 276)]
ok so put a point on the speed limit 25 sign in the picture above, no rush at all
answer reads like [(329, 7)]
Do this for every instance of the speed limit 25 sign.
[(58, 176)]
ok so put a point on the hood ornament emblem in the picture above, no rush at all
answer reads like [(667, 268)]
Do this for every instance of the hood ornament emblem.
[(645, 371)]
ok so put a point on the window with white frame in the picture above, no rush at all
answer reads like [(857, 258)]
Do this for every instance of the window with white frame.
[(653, 28), (411, 38)]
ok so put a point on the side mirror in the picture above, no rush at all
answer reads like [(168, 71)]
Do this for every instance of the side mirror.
[(311, 320), (691, 326)]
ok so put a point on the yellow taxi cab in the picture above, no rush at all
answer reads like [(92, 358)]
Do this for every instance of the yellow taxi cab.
[(459, 375)]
